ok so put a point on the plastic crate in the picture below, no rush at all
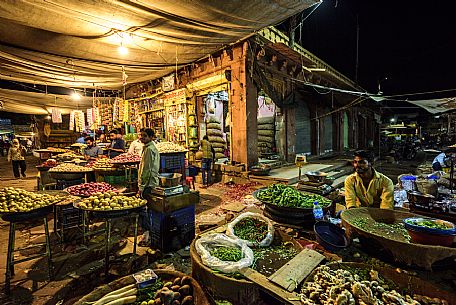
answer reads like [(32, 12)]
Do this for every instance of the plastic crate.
[(172, 161), (115, 180), (172, 231)]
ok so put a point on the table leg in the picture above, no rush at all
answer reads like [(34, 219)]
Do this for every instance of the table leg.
[(84, 228), (9, 259), (136, 234), (48, 249), (61, 225), (107, 242)]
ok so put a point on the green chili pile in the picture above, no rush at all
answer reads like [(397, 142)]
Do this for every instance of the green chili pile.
[(251, 229), (287, 196), (227, 254), (429, 223)]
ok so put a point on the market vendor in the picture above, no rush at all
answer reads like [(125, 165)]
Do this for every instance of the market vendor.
[(136, 146), (92, 150), (117, 145), (443, 159), (367, 187), (148, 173)]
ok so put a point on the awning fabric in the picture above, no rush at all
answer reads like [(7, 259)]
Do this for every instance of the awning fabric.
[(41, 103), (436, 105), (75, 43)]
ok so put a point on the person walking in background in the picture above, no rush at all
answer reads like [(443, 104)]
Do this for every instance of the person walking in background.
[(16, 155), (206, 163), (2, 146)]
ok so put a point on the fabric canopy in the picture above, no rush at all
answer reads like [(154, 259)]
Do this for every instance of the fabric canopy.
[(75, 43), (41, 103), (436, 105)]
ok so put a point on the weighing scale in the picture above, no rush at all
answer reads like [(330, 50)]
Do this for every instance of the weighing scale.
[(168, 191)]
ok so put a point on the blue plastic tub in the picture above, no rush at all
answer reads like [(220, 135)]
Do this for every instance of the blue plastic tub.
[(330, 236)]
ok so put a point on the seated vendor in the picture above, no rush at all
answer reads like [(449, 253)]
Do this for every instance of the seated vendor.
[(92, 150), (367, 187), (443, 159)]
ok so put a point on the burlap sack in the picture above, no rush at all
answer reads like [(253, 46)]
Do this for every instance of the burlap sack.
[(267, 133), (214, 133), (266, 120), (266, 127), (427, 186), (216, 126)]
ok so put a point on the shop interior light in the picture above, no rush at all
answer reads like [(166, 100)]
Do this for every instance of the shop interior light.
[(392, 120), (75, 96)]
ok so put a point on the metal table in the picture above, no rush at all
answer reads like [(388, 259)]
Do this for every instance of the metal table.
[(14, 218), (108, 217)]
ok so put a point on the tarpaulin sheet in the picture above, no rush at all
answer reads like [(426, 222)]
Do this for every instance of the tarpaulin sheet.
[(436, 105), (74, 43), (41, 103)]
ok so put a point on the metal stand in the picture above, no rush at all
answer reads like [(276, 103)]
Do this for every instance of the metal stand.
[(107, 232), (452, 176), (10, 261)]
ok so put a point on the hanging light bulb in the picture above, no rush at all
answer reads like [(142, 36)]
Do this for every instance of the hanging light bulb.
[(122, 49), (75, 96)]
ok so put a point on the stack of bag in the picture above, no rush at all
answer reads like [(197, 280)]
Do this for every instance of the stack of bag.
[(215, 134), (266, 138)]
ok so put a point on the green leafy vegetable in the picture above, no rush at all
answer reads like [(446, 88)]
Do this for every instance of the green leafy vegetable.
[(287, 196), (429, 223)]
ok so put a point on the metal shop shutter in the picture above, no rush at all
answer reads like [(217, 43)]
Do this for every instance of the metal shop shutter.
[(303, 131), (328, 131)]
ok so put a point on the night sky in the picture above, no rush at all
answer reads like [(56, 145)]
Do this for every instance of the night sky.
[(412, 43)]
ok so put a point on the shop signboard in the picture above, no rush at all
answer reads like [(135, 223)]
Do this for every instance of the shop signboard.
[(174, 97)]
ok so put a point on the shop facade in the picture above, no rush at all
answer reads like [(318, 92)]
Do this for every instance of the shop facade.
[(252, 100)]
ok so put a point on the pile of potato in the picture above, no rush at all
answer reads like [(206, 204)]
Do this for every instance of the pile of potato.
[(177, 292), (169, 147), (19, 200), (110, 201)]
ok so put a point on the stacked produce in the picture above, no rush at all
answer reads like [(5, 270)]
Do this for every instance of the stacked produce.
[(49, 163), (215, 134), (67, 156), (394, 231), (287, 196), (126, 158), (266, 130), (18, 200), (110, 201), (91, 188), (101, 163), (57, 150), (357, 286), (69, 167), (169, 147)]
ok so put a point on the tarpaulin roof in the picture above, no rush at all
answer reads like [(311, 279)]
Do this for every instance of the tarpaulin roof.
[(436, 105), (41, 103), (75, 43)]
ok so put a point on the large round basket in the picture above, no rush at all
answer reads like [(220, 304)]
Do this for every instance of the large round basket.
[(288, 215), (166, 275), (411, 284), (68, 175), (237, 291), (392, 245)]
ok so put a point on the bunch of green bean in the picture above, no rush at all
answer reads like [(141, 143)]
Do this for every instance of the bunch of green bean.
[(287, 196)]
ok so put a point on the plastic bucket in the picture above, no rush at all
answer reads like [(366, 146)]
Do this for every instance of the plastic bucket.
[(408, 182)]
